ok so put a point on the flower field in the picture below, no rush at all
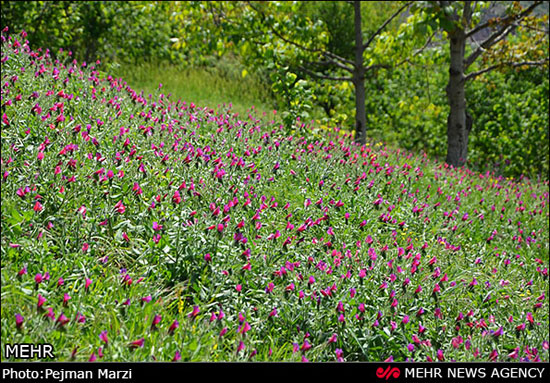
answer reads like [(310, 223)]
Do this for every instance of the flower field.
[(136, 227)]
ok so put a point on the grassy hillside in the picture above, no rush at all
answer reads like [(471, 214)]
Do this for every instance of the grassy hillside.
[(146, 228), (214, 86)]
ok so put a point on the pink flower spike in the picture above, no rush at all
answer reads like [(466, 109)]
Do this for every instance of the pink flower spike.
[(22, 272), (41, 301), (19, 321), (80, 318), (240, 347), (88, 283), (92, 358), (156, 320), (103, 336), (195, 312), (62, 319), (177, 356), (137, 343), (173, 327)]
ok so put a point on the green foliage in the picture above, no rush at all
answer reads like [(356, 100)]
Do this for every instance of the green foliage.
[(111, 30), (146, 210), (411, 110), (510, 112), (209, 41)]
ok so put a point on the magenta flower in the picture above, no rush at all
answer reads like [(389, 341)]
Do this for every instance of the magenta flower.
[(137, 343), (22, 272), (175, 324), (103, 336), (62, 320), (457, 341), (92, 358), (195, 312), (244, 328), (41, 301), (339, 354), (119, 207), (19, 321), (87, 284), (156, 321), (49, 313), (240, 347), (177, 356)]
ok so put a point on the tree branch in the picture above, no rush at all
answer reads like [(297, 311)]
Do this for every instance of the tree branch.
[(415, 53), (323, 77), (381, 28), (298, 45), (489, 42), (467, 14), (472, 75), (506, 20), (329, 61)]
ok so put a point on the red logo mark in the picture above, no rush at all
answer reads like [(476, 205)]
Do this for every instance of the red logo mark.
[(389, 372)]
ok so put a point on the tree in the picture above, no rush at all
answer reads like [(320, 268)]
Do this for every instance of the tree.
[(462, 21), (313, 53)]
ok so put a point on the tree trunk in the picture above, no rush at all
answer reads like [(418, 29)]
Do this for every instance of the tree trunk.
[(459, 123), (359, 80)]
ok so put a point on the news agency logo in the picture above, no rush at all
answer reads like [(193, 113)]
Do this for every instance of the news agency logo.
[(389, 372), (28, 351)]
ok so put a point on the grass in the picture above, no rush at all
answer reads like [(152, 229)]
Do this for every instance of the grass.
[(205, 86), (145, 228)]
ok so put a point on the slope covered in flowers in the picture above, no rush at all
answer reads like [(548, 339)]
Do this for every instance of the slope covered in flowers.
[(137, 227)]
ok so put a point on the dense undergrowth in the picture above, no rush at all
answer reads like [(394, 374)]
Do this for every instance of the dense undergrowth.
[(140, 228)]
